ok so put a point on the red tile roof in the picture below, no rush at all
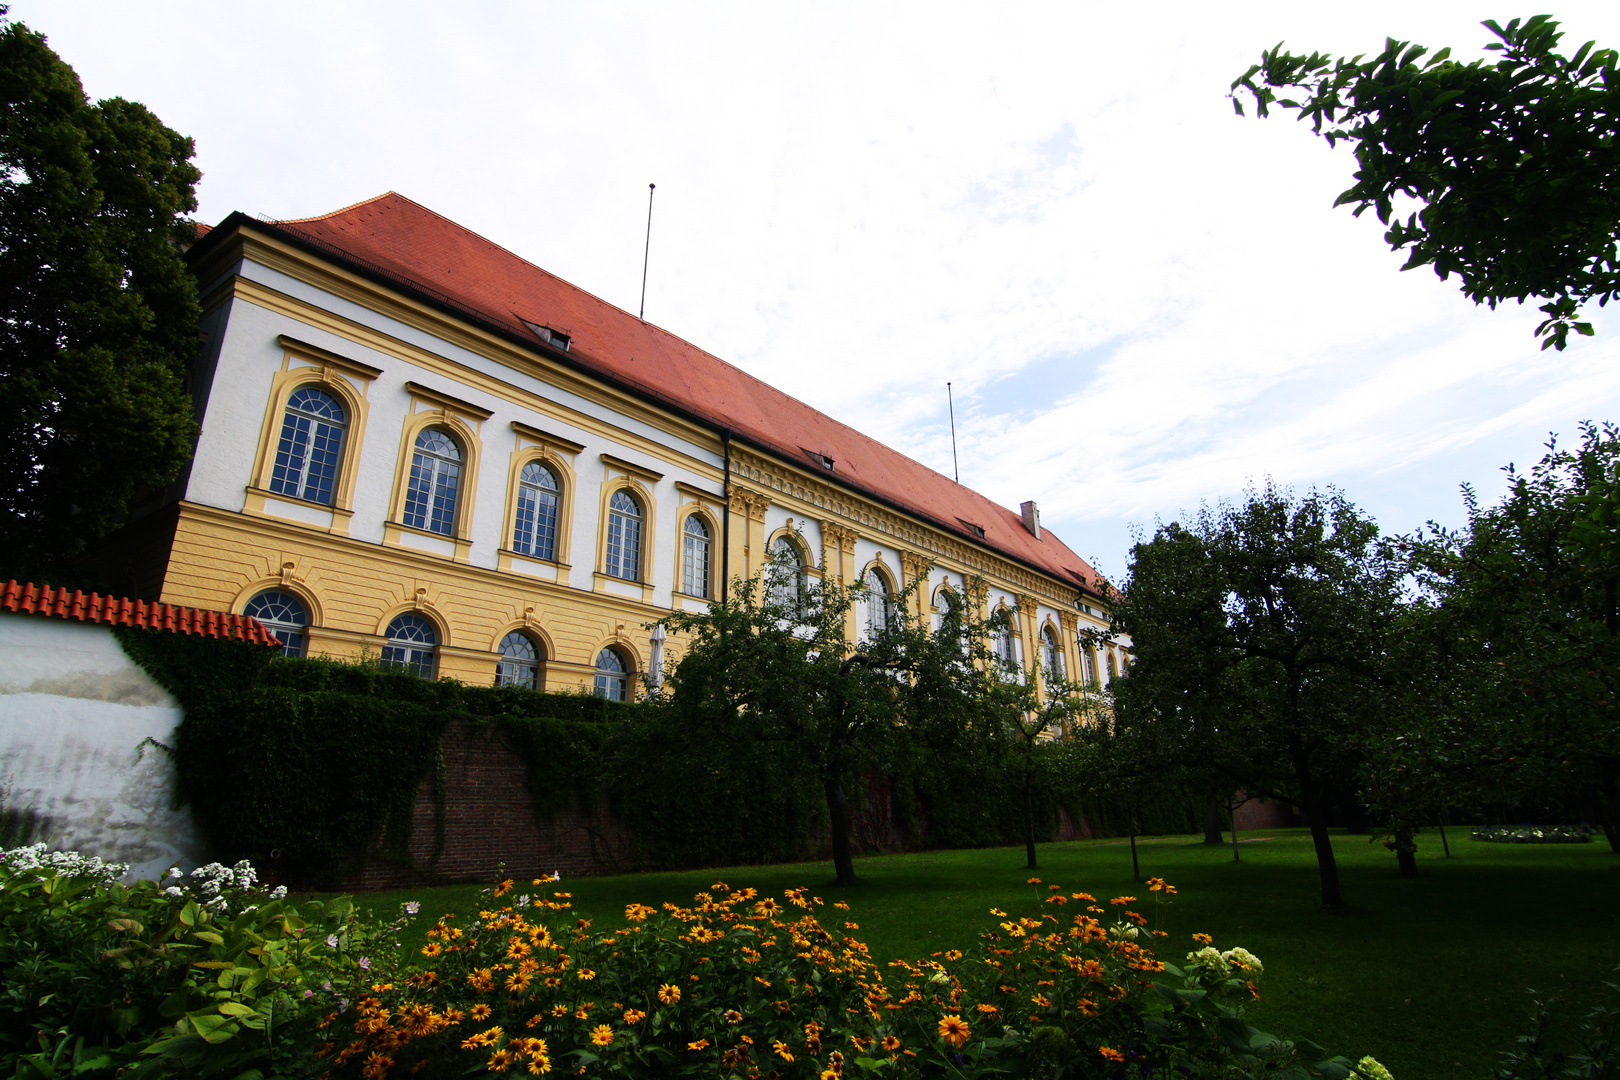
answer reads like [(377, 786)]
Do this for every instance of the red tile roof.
[(410, 244), (33, 599)]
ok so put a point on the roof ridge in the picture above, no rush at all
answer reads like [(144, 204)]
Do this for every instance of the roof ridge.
[(344, 209)]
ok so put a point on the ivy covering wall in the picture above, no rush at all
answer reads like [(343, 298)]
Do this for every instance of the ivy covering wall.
[(321, 762)]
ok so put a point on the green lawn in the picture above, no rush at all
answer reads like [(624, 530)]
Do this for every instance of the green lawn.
[(1429, 975)]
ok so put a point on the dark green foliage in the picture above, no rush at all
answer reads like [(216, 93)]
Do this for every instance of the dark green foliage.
[(98, 315), (1590, 1052), (1514, 161)]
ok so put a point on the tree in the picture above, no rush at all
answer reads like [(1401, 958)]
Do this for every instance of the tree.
[(1258, 633), (98, 315), (1529, 599), (1516, 162)]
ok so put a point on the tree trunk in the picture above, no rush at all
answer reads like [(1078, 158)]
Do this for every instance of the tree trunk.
[(1212, 820), (1316, 818), (1608, 804), (1029, 820), (1406, 859), (1445, 818), (1136, 867), (838, 823)]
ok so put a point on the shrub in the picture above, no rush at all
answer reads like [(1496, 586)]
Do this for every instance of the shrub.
[(741, 985), (203, 976)]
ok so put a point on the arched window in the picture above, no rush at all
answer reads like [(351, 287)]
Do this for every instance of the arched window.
[(1004, 643), (1089, 659), (696, 556), (951, 620), (285, 615), (435, 483), (519, 664), (311, 443), (786, 575), (1052, 655), (534, 532), (412, 646), (1112, 670), (623, 537), (612, 675), (879, 607)]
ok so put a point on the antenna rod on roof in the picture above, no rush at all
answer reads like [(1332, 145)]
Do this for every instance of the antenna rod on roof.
[(645, 251), (956, 468)]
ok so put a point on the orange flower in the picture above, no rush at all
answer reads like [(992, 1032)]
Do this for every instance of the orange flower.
[(602, 1035), (1110, 1053), (1033, 881), (504, 887), (479, 1012), (701, 1044), (954, 1030), (669, 993), (634, 1016), (891, 1043), (1203, 939)]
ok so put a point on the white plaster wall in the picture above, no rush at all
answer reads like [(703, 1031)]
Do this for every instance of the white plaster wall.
[(74, 711), (251, 355)]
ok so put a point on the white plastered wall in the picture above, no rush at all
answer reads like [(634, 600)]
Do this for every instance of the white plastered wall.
[(74, 713)]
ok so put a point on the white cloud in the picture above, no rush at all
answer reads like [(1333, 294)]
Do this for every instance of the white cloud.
[(1140, 299)]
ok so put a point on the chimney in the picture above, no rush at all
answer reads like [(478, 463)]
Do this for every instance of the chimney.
[(1032, 518)]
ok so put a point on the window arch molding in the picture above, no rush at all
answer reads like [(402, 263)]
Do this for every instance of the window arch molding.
[(795, 537), (716, 571), (468, 442), (338, 383), (563, 472), (1054, 659), (643, 496), (1008, 644), (312, 603), (440, 625)]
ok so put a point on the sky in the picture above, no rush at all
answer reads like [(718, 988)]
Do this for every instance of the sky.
[(1142, 302)]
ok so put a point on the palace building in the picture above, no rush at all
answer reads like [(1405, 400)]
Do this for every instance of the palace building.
[(418, 447)]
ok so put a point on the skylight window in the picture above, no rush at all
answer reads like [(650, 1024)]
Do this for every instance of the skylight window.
[(557, 339), (820, 459), (976, 530)]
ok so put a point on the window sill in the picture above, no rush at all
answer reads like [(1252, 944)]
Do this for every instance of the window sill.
[(423, 542), (612, 585), (296, 511)]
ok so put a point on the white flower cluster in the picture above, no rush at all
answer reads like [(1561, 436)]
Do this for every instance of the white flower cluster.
[(1209, 956), (1125, 930), (1243, 958), (35, 859), (1368, 1069), (216, 882)]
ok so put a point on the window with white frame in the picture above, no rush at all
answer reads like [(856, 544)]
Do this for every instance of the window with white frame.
[(412, 647), (623, 556), (310, 446), (285, 615), (879, 606), (612, 675), (435, 483), (696, 555), (1004, 644), (519, 664), (534, 529), (786, 575), (1089, 659), (1052, 655)]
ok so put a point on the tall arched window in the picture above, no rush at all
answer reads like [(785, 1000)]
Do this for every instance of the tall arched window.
[(311, 444), (534, 532), (413, 646), (519, 664), (285, 615), (1004, 643), (696, 555), (612, 675), (1089, 659), (951, 620), (786, 575), (1052, 655), (879, 606), (1112, 669), (623, 537), (435, 483)]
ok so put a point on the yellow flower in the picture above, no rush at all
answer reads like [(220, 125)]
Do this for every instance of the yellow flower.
[(954, 1030), (504, 887), (602, 1035), (1203, 939), (891, 1043), (634, 1016), (733, 1017), (953, 955), (669, 993), (998, 913), (586, 974), (988, 1010), (432, 948), (781, 1050), (701, 1044), (479, 1012)]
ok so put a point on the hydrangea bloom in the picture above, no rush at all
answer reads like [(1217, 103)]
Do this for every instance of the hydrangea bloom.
[(35, 859), (1369, 1069), (1244, 958), (1208, 956)]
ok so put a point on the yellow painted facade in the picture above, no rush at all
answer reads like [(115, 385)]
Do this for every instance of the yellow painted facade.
[(280, 317)]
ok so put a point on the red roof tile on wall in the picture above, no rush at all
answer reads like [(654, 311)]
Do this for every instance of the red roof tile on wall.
[(414, 246), (30, 599)]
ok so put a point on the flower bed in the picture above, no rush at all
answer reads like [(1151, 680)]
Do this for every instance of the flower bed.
[(1535, 834), (213, 976)]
